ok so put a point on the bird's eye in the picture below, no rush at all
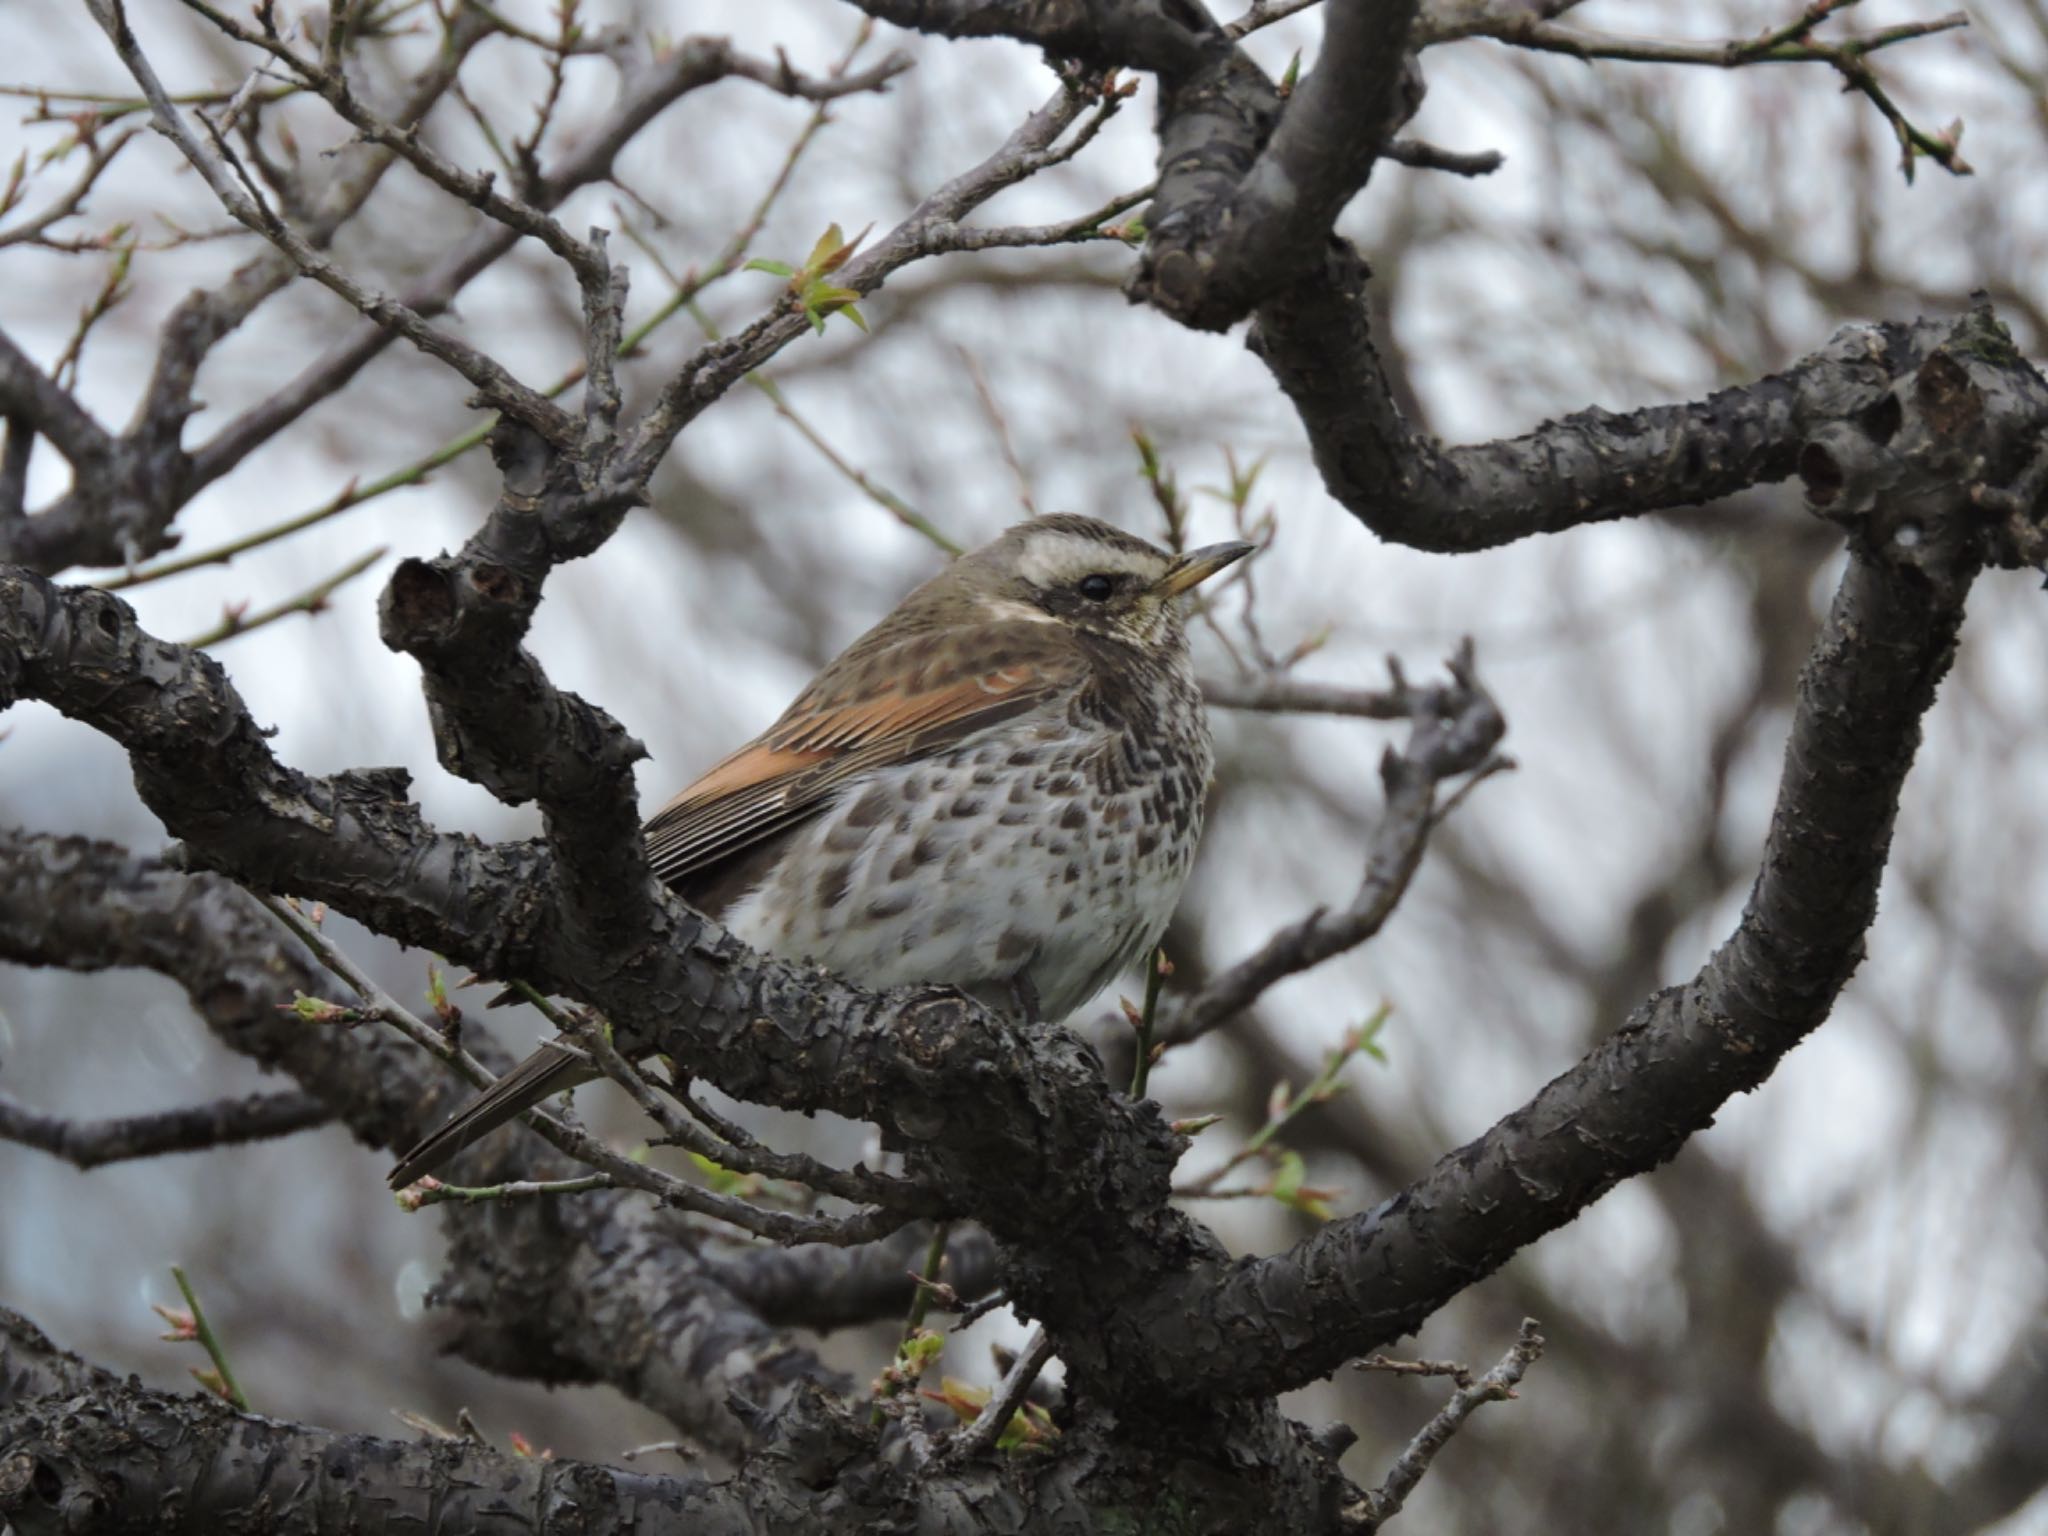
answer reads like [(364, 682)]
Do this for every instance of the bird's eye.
[(1096, 588)]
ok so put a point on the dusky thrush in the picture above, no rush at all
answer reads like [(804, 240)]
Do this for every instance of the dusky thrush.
[(999, 787)]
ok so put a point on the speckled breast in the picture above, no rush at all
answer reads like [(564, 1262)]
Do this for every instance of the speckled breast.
[(1054, 845)]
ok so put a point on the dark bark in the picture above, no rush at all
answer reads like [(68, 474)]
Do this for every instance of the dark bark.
[(826, 1288), (1250, 183), (1593, 465), (601, 1290), (1250, 186), (82, 1450), (1150, 1315), (1633, 1101)]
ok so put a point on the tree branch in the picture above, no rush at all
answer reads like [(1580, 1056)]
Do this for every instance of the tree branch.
[(1497, 1385), (828, 1288), (224, 1122), (604, 1289), (124, 511), (496, 386), (1142, 1304), (1966, 418), (82, 1449), (1591, 466), (1236, 217), (1456, 727)]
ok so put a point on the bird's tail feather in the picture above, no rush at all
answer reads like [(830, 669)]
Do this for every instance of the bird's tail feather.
[(550, 1070)]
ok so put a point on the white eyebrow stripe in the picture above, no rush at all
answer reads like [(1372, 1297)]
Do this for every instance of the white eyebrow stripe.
[(1053, 557)]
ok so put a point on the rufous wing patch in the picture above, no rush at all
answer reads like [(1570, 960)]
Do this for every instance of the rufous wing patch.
[(791, 770)]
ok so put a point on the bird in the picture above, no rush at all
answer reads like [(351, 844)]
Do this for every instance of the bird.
[(1000, 787)]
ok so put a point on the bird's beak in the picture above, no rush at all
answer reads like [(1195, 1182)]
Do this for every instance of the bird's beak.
[(1198, 565)]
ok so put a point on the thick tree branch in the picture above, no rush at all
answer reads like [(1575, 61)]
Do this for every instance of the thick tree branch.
[(1144, 1307), (827, 1288), (80, 1449), (1914, 483), (83, 1450), (497, 719), (1249, 185), (1591, 466), (604, 1289), (1237, 217)]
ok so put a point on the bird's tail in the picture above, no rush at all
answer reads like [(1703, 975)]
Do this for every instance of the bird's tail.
[(550, 1070)]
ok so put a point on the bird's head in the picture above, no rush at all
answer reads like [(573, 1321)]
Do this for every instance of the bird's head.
[(1071, 570)]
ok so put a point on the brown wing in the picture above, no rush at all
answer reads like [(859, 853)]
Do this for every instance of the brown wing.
[(876, 705)]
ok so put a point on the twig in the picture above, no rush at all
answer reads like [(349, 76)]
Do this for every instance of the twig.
[(224, 1383), (1079, 230), (879, 494), (988, 1426), (1460, 1374), (432, 1191), (974, 1314), (497, 386), (1264, 13), (415, 473), (355, 495), (1036, 144), (876, 492), (1155, 981), (1455, 728), (313, 600), (1284, 1106), (1288, 696), (928, 1279), (997, 420), (101, 155), (1792, 43), (1497, 1385), (728, 1146), (780, 1226), (1417, 155)]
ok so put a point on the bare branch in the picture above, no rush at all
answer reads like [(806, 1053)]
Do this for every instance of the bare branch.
[(827, 1288), (1590, 466), (599, 1289), (1230, 225), (493, 383), (224, 1122), (236, 621), (1791, 43), (1496, 1386), (100, 153), (1636, 1097), (37, 402), (649, 89), (1282, 695), (1455, 730), (1033, 147)]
